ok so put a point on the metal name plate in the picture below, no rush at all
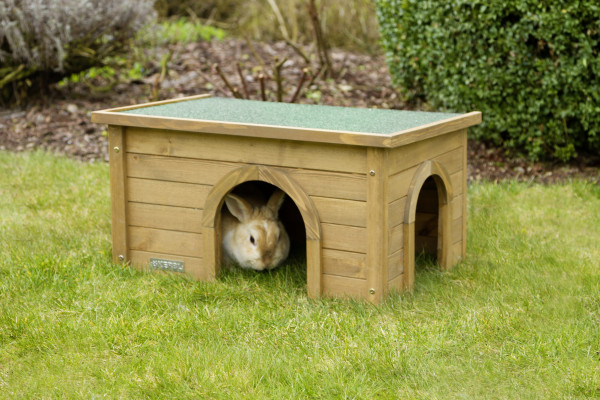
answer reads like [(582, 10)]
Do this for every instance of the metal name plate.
[(167, 265)]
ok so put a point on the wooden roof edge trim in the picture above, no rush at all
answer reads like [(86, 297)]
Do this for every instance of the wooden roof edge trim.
[(153, 103), (243, 129), (434, 129)]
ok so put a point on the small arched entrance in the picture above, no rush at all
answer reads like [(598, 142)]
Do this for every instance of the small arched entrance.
[(427, 218), (211, 224)]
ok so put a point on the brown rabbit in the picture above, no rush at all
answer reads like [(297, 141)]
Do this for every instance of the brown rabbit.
[(253, 235)]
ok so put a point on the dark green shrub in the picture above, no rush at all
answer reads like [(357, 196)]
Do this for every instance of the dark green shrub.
[(44, 40), (531, 67)]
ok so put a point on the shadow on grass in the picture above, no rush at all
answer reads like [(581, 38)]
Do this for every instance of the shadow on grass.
[(291, 276), (425, 262), (428, 274)]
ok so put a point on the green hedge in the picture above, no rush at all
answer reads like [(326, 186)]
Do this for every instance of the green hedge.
[(531, 67)]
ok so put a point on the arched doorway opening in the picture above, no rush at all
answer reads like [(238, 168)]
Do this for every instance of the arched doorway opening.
[(427, 219), (299, 210), (427, 225), (288, 213)]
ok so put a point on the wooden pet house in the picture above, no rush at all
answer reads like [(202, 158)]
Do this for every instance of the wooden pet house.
[(373, 187)]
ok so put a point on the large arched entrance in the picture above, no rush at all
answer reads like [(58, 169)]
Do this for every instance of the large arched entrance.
[(427, 218), (212, 225)]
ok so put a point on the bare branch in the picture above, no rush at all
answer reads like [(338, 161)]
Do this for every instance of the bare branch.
[(299, 87), (263, 94), (322, 46), (233, 90), (244, 85), (278, 78), (279, 17), (284, 32), (207, 79), (255, 53)]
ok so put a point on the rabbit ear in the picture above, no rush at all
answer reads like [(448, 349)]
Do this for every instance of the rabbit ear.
[(238, 207), (276, 200)]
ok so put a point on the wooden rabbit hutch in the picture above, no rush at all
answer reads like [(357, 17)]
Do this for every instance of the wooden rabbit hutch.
[(373, 186)]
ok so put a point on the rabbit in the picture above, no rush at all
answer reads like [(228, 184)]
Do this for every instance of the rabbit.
[(253, 236)]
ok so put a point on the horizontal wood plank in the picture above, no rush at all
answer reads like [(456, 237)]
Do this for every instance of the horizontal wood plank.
[(343, 212), (344, 263), (342, 237), (399, 183), (247, 150), (341, 286), (457, 183), (396, 212), (396, 284), (177, 169), (452, 160), (167, 193), (395, 264), (413, 154), (209, 172), (457, 206), (163, 241), (331, 184), (396, 238), (165, 217)]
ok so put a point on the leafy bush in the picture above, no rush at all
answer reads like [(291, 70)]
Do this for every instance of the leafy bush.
[(531, 67), (183, 30), (53, 38)]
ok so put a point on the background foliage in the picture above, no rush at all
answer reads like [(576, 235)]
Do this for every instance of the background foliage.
[(531, 67), (348, 25), (41, 41)]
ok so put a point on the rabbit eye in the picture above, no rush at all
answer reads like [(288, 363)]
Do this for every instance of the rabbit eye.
[(252, 240)]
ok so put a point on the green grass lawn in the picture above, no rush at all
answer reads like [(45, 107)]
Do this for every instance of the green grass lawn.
[(519, 318)]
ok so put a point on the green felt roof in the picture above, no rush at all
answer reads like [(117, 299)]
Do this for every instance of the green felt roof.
[(364, 120)]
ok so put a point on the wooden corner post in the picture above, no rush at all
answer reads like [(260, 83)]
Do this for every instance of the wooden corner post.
[(116, 151), (377, 224), (463, 249)]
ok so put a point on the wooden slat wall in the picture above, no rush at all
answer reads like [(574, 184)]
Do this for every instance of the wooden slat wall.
[(319, 156), (170, 175), (165, 241), (449, 150), (193, 265), (165, 217)]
